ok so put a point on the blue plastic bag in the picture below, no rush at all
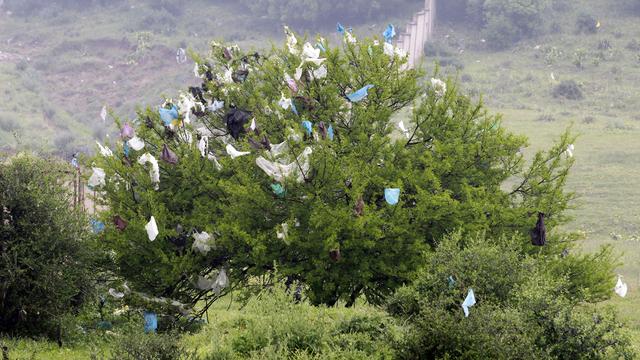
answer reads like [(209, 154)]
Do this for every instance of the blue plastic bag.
[(359, 94), (168, 115), (389, 33), (308, 127), (392, 196), (150, 322), (97, 226)]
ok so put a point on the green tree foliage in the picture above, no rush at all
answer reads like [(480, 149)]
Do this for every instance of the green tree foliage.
[(45, 247), (332, 230), (524, 309)]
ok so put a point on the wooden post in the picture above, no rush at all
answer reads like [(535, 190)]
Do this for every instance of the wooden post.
[(421, 34), (413, 26)]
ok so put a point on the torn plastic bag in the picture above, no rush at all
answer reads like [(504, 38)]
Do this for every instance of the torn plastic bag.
[(97, 178), (469, 301), (236, 120), (154, 172), (280, 172), (231, 151)]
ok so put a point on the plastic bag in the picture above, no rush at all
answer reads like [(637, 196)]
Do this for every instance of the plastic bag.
[(154, 172), (392, 196), (360, 94), (469, 301), (97, 178), (152, 229), (280, 172)]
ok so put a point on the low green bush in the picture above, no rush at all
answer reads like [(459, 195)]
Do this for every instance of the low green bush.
[(568, 89), (527, 308), (140, 346), (272, 326)]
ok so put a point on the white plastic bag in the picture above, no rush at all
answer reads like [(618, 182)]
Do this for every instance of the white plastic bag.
[(152, 229)]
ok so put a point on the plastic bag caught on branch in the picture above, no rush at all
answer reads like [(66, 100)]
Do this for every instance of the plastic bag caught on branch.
[(279, 172), (154, 172)]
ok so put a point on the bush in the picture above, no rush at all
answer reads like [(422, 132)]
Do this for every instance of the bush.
[(509, 21), (568, 89), (141, 346), (272, 326), (586, 24), (503, 22), (523, 309), (45, 245)]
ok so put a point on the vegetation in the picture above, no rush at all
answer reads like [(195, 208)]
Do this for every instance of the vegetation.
[(271, 325), (323, 12), (503, 22), (524, 310), (518, 82), (46, 258), (326, 220)]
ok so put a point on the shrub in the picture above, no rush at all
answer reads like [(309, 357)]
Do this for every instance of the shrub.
[(546, 118), (586, 24), (568, 89), (503, 22), (141, 346), (272, 326), (508, 21), (45, 245), (523, 309)]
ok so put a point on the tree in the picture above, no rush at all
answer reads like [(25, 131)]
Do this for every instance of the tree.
[(46, 247), (323, 219)]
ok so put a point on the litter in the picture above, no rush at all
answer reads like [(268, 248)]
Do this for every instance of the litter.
[(154, 172), (152, 229), (469, 301), (231, 151), (97, 178), (392, 196), (360, 94), (279, 172)]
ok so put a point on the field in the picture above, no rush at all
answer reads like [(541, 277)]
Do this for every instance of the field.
[(58, 75)]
